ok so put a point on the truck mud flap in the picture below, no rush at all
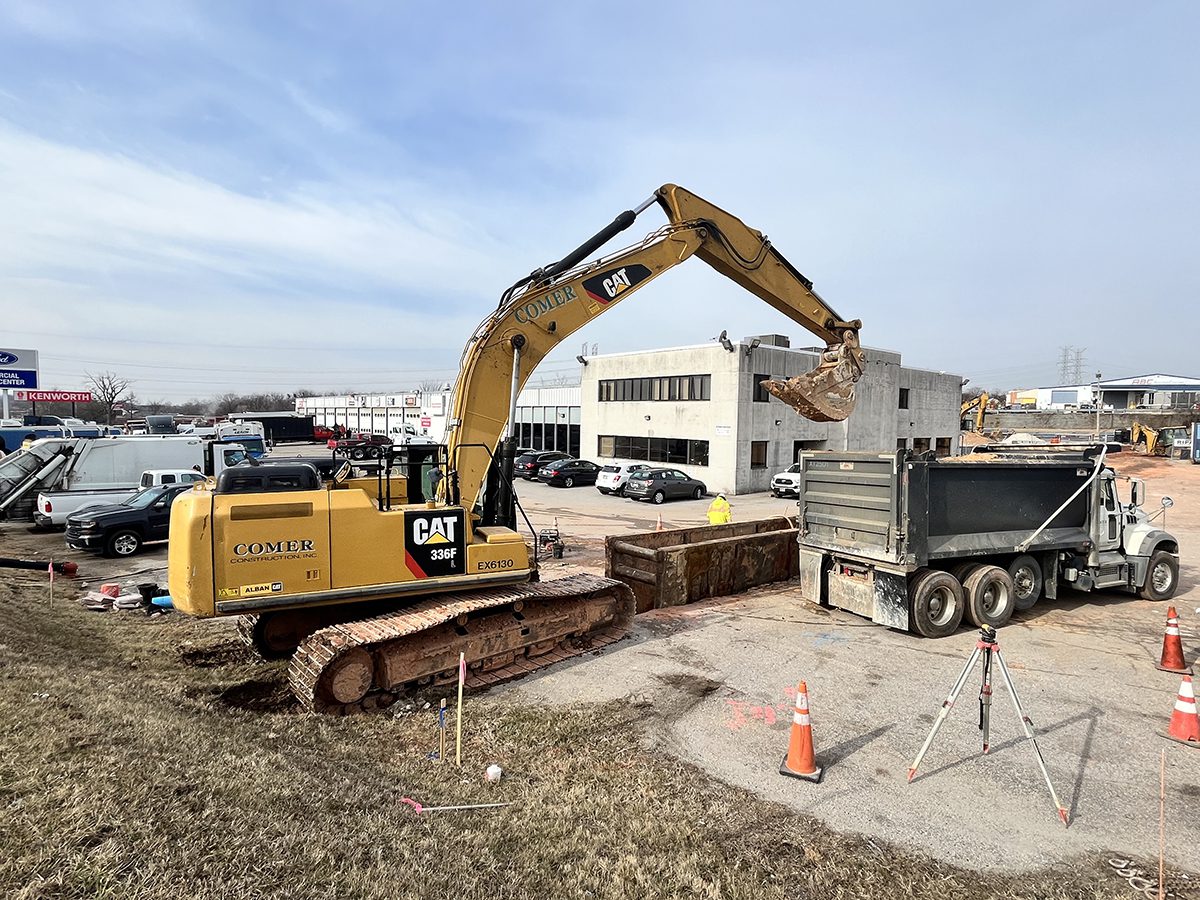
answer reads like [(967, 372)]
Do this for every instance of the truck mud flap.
[(878, 595), (811, 564)]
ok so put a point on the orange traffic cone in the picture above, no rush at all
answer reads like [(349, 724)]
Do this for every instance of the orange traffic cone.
[(800, 762), (659, 527), (1185, 723), (1172, 652)]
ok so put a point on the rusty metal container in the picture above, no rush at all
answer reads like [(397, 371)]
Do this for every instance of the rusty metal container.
[(683, 565)]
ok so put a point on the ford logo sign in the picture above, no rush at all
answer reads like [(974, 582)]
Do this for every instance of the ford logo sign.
[(7, 359)]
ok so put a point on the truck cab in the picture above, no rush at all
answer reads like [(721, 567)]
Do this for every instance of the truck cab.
[(1128, 549)]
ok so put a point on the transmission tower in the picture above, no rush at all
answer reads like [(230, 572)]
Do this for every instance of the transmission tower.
[(1077, 366), (1064, 364)]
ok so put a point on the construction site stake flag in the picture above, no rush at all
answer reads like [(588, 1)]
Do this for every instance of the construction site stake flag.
[(50, 569), (462, 677)]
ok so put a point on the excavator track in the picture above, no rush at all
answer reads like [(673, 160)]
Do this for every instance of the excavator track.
[(504, 633)]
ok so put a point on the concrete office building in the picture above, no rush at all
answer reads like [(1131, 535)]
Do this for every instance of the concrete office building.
[(700, 408)]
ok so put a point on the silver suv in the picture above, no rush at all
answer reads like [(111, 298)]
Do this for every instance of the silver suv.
[(787, 484), (612, 479)]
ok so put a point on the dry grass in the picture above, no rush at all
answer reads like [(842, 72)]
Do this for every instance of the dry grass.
[(153, 759)]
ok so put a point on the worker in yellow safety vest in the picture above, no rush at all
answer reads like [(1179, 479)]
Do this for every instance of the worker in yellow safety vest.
[(719, 511)]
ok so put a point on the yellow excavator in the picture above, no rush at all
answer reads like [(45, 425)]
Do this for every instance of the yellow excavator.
[(979, 404), (373, 587), (1158, 441)]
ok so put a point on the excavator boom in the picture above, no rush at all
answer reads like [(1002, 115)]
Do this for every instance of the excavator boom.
[(553, 302)]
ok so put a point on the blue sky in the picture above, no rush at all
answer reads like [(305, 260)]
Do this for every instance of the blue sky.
[(213, 196)]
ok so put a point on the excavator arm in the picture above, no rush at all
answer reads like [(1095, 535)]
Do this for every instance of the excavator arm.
[(553, 302), (979, 404)]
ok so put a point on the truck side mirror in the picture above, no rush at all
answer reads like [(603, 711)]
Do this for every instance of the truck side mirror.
[(1137, 492), (1167, 502)]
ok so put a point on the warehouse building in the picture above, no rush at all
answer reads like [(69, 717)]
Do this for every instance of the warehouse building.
[(1153, 391), (381, 413), (548, 418), (702, 408)]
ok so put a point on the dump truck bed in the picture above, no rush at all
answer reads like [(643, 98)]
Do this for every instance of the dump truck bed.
[(904, 513)]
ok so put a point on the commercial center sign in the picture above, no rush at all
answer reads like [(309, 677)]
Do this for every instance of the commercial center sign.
[(18, 368)]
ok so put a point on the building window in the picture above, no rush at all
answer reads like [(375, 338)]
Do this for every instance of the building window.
[(674, 451), (904, 398), (902, 443), (758, 454), (920, 445), (760, 393), (943, 447), (665, 387)]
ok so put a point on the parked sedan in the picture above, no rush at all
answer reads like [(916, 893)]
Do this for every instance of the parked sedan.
[(663, 484), (529, 464), (121, 530), (569, 472), (612, 479)]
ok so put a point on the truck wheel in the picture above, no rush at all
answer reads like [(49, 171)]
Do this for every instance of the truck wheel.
[(1026, 575), (356, 453), (1162, 577), (937, 603), (989, 591), (122, 543)]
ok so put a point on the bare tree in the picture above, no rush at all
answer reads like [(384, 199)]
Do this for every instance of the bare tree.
[(430, 385), (109, 391)]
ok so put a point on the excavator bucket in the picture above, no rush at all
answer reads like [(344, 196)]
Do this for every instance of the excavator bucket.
[(826, 394)]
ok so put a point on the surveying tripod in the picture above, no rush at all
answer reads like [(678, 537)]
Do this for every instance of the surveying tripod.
[(987, 646)]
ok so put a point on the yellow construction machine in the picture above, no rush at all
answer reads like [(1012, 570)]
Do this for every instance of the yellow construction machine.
[(979, 404), (371, 586), (1158, 441)]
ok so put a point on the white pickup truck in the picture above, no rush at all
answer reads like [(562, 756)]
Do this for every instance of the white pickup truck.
[(787, 483), (53, 507)]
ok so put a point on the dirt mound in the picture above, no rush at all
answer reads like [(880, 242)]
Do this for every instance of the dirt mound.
[(211, 657), (258, 695)]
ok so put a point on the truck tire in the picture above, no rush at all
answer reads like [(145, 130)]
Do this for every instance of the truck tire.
[(356, 453), (1162, 577), (963, 569), (123, 542), (1026, 575), (937, 603), (989, 591)]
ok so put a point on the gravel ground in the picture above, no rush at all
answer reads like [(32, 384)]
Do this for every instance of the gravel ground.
[(1084, 667), (716, 679)]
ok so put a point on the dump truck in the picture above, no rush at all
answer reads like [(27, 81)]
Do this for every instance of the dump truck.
[(916, 543)]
